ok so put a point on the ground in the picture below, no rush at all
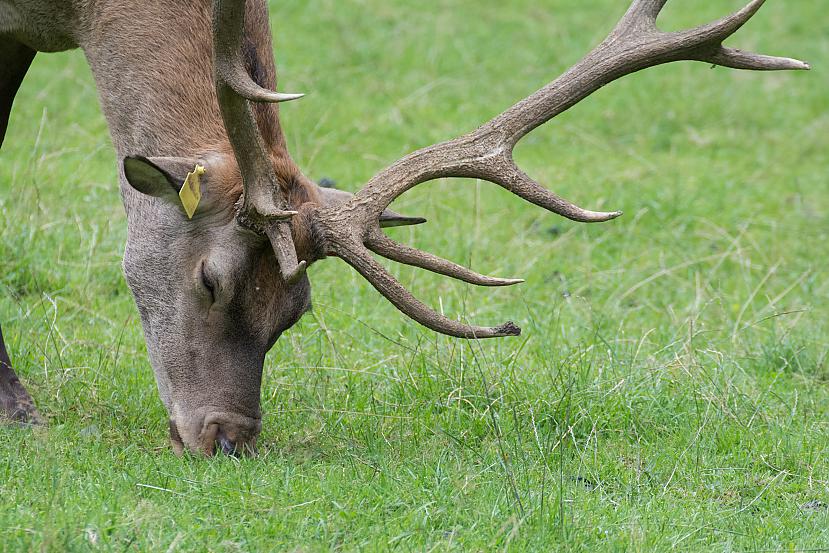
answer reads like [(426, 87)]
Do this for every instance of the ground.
[(670, 389)]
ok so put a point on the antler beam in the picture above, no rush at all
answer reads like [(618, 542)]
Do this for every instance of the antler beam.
[(487, 153), (263, 207)]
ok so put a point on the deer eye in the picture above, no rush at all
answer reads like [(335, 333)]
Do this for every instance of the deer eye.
[(206, 282)]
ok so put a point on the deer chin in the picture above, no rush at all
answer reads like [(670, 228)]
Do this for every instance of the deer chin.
[(208, 431)]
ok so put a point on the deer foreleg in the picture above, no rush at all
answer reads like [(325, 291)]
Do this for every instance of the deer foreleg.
[(15, 402), (15, 59)]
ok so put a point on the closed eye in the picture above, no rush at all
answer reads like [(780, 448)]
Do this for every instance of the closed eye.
[(207, 283)]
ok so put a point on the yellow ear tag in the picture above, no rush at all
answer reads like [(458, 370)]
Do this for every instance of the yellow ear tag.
[(190, 193)]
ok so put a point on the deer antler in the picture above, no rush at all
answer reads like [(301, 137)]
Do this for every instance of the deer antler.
[(351, 229), (263, 208)]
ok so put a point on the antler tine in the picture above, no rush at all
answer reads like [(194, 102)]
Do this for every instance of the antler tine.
[(381, 244), (228, 34), (724, 27), (473, 157), (509, 176), (717, 32), (643, 12), (713, 34), (282, 242), (738, 59), (357, 256), (263, 208)]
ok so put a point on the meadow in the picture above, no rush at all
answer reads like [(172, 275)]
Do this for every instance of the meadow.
[(670, 390)]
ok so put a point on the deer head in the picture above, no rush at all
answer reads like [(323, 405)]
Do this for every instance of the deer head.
[(237, 277)]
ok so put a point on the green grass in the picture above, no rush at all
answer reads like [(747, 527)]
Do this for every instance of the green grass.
[(670, 390)]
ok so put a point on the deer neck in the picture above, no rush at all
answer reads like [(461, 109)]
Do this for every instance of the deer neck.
[(154, 74)]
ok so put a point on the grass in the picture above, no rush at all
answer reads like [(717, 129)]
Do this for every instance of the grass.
[(669, 391)]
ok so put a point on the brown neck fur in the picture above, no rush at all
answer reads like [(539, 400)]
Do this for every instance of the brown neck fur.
[(155, 82)]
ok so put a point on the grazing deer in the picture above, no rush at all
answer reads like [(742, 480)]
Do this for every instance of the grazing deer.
[(193, 113)]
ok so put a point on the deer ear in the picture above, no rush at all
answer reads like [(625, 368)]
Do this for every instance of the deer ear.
[(332, 196), (160, 177)]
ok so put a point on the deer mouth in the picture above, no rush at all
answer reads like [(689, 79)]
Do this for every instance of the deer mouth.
[(219, 432)]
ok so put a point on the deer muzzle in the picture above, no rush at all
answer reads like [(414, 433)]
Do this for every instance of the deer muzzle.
[(216, 432)]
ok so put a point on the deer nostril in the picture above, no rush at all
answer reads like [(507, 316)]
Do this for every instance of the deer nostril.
[(228, 447)]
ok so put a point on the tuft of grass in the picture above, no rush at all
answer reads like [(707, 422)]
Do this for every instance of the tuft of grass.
[(670, 388)]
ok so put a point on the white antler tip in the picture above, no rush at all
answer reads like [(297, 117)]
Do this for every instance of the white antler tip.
[(282, 215), (599, 216), (292, 276), (287, 97)]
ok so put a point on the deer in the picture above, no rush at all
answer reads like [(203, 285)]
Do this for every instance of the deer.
[(222, 224)]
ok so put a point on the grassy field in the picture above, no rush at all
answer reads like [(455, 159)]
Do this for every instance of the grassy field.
[(671, 387)]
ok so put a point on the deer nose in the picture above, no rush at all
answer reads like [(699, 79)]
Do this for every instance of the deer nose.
[(231, 438), (228, 439), (235, 448), (228, 447), (218, 432)]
